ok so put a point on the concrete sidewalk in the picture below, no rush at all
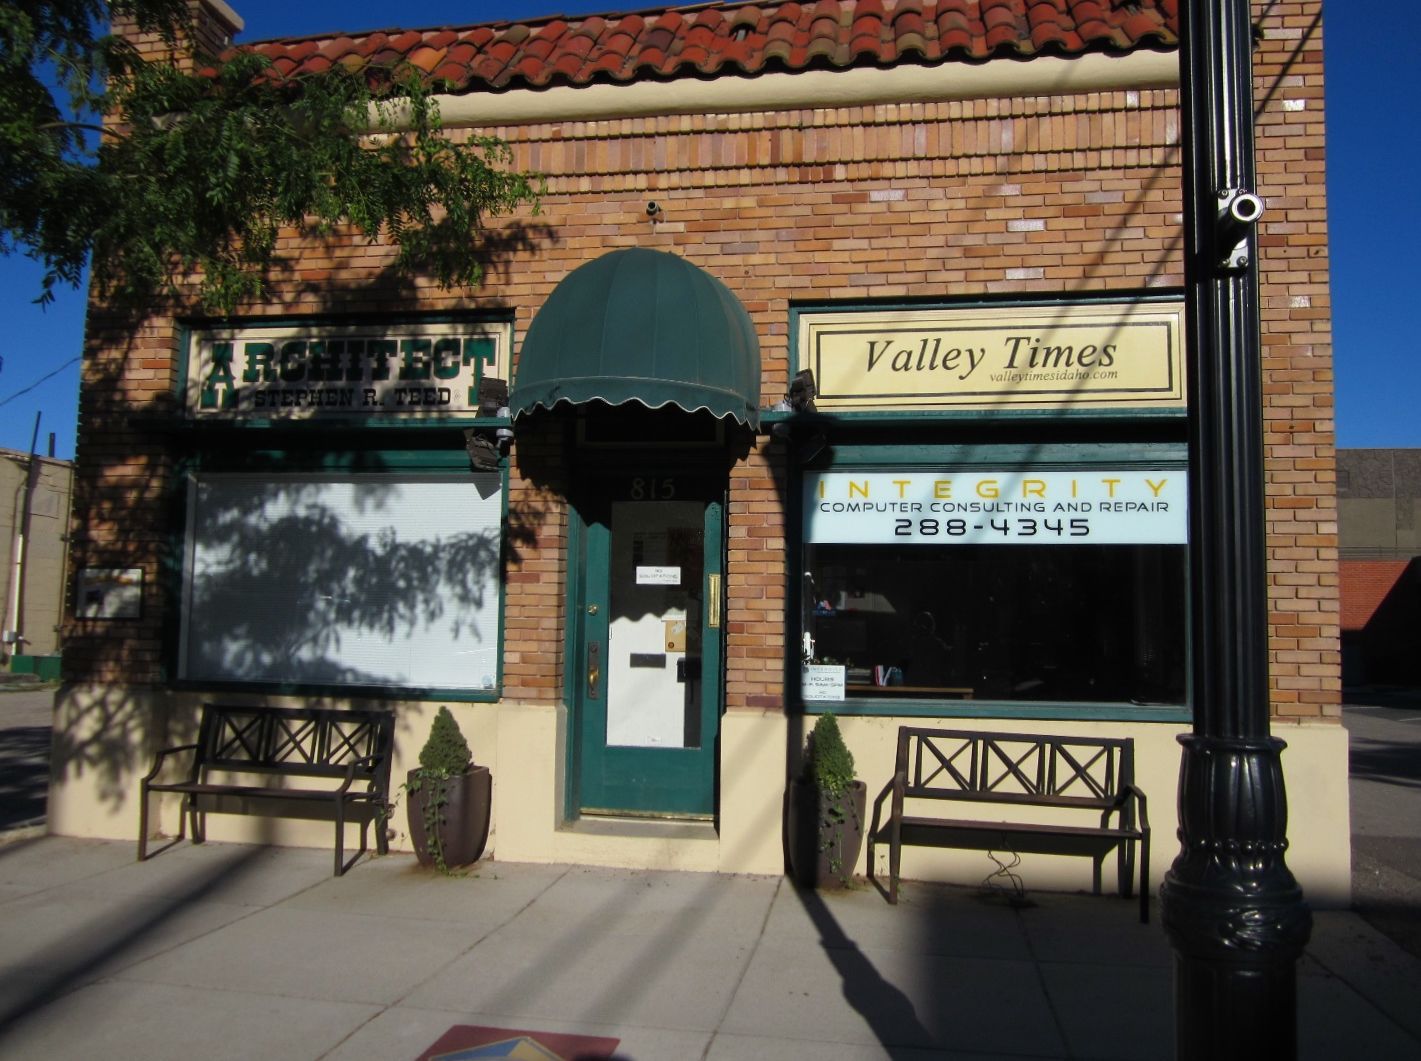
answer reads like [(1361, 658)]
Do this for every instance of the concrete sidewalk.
[(225, 951)]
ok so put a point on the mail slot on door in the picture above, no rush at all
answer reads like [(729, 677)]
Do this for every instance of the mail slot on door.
[(688, 668)]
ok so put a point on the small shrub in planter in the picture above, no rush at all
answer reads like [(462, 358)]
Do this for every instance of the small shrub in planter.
[(826, 810), (449, 799)]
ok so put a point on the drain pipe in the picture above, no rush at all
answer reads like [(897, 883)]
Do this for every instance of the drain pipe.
[(12, 635)]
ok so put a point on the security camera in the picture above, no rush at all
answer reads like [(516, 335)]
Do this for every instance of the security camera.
[(1240, 207), (653, 208), (1239, 213)]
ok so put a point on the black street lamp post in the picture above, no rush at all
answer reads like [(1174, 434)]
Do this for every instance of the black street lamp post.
[(1234, 913)]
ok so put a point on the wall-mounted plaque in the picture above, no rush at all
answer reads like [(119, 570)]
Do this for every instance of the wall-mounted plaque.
[(109, 593)]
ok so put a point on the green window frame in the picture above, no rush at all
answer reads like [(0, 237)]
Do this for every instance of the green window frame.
[(407, 595), (866, 458)]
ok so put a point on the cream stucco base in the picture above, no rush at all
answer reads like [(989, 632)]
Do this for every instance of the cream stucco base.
[(105, 738), (1315, 768)]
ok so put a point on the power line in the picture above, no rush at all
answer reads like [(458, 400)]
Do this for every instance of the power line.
[(36, 383)]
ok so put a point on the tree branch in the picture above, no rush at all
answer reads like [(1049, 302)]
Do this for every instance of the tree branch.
[(102, 130)]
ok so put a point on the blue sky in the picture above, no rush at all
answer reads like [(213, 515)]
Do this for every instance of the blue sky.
[(1372, 200)]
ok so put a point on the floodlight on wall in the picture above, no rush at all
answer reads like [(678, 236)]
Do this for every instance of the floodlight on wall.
[(798, 399), (487, 446), (807, 438), (802, 392), (484, 455), (493, 396)]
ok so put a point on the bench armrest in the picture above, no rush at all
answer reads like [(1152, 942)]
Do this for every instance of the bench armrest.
[(163, 754), (366, 761), (1121, 806), (878, 807), (1139, 795)]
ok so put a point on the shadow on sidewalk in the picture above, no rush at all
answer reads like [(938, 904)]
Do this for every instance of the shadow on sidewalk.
[(887, 1010), (78, 959), (24, 776)]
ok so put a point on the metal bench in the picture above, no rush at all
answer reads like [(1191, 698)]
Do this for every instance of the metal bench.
[(1016, 770), (349, 750)]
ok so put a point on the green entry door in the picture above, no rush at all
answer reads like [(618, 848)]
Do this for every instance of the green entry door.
[(648, 687)]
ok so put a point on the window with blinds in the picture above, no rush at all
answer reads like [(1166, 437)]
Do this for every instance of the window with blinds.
[(377, 580)]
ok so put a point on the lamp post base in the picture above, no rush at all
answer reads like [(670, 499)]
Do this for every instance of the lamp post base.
[(1231, 908)]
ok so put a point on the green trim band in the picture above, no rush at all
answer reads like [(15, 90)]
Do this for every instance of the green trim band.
[(380, 692), (1000, 709)]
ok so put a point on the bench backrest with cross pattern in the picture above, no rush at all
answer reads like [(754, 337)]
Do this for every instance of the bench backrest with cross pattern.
[(312, 742), (1022, 768)]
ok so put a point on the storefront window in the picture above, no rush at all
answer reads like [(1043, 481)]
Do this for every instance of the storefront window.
[(1005, 585), (388, 580)]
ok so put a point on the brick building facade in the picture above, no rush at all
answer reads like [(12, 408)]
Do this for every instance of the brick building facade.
[(947, 165)]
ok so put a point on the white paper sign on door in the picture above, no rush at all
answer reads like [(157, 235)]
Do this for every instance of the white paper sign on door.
[(658, 576)]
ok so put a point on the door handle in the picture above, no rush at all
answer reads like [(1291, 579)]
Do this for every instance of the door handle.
[(594, 668), (688, 668)]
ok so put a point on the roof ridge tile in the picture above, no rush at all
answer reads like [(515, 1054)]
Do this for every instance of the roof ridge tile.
[(705, 39)]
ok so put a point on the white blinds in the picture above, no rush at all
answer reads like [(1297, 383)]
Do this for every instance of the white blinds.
[(372, 579)]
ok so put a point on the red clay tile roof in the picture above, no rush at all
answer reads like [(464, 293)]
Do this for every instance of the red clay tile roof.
[(740, 38)]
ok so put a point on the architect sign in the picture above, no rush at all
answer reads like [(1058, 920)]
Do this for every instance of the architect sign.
[(310, 371), (1117, 355), (952, 506)]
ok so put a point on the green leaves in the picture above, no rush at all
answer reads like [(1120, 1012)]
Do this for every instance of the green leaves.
[(446, 752), (209, 173), (53, 65), (830, 763)]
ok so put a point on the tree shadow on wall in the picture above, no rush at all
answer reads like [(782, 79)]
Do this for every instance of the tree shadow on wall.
[(285, 585), (293, 580), (291, 590)]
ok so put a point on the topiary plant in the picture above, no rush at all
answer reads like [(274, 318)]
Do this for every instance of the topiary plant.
[(830, 764), (445, 755), (835, 806), (446, 752)]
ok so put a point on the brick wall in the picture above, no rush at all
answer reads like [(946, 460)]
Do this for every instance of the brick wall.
[(209, 33), (123, 506), (1364, 585), (1072, 195), (755, 583), (1297, 363)]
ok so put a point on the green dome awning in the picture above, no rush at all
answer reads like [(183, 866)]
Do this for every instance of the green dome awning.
[(641, 326)]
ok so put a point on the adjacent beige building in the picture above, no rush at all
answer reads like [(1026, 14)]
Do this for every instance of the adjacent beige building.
[(34, 512)]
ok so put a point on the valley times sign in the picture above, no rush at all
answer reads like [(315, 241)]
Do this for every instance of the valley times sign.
[(326, 371)]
